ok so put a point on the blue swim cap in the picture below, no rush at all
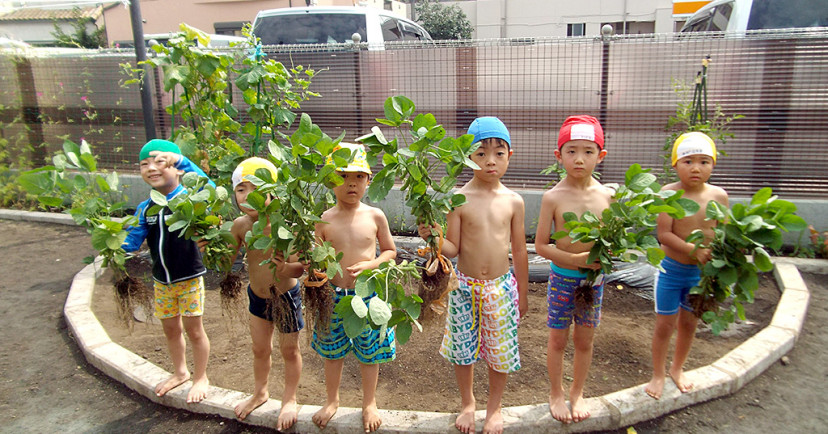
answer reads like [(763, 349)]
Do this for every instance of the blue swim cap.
[(489, 127)]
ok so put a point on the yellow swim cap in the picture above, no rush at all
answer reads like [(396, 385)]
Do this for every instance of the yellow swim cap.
[(249, 166), (695, 143), (359, 163)]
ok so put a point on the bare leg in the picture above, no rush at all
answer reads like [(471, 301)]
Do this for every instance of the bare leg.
[(494, 417), (665, 324), (289, 347), (370, 414), (554, 366), (684, 339), (333, 377), (261, 332), (176, 345), (582, 341), (465, 382), (201, 354)]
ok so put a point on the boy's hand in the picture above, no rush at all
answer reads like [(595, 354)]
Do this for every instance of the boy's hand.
[(357, 268), (165, 159), (523, 306), (425, 231), (702, 255), (278, 258), (201, 243), (581, 261)]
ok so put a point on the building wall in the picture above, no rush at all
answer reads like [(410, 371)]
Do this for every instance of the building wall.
[(161, 16), (538, 18), (37, 32)]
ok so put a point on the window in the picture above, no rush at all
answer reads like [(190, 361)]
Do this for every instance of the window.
[(721, 16), (576, 29), (390, 29), (310, 28)]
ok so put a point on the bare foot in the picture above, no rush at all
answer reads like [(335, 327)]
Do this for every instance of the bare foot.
[(655, 387), (324, 415), (370, 418), (579, 408), (559, 410), (171, 383), (287, 415), (247, 406), (494, 423), (681, 381), (199, 391), (465, 420)]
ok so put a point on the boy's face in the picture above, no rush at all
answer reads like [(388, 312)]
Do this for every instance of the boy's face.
[(352, 190), (694, 170), (240, 192), (493, 158), (579, 157), (159, 175)]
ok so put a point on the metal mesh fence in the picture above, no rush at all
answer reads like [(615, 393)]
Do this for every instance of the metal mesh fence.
[(776, 80)]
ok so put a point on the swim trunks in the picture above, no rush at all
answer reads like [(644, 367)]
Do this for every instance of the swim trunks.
[(184, 298), (561, 303), (482, 322), (673, 285), (292, 302), (367, 347)]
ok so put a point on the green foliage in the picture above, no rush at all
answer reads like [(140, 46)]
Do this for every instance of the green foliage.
[(289, 206), (92, 199), (691, 115), (387, 304), (740, 231), (416, 158), (211, 134), (202, 212), (443, 22), (626, 227), (80, 37), (819, 242)]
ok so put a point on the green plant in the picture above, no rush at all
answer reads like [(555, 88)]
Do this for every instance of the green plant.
[(299, 195), (94, 200), (692, 115), (80, 36), (729, 275), (417, 155), (443, 22), (625, 228), (201, 213), (388, 306)]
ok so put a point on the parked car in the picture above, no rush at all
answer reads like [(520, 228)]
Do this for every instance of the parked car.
[(742, 15), (335, 25)]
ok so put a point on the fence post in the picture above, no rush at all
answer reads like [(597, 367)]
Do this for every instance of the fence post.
[(30, 109), (606, 32), (140, 56)]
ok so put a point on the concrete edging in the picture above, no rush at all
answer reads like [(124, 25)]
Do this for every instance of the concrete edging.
[(615, 410)]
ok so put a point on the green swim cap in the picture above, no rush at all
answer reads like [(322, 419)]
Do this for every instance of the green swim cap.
[(158, 145)]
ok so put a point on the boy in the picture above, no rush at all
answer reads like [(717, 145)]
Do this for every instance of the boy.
[(483, 313), (354, 229), (258, 292), (177, 270), (580, 148), (693, 157)]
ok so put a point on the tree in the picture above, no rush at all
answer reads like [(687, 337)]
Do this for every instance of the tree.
[(443, 22), (79, 37)]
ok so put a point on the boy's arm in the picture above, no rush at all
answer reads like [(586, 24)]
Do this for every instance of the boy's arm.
[(451, 241), (546, 248), (290, 268), (186, 165), (137, 234), (520, 258), (668, 238)]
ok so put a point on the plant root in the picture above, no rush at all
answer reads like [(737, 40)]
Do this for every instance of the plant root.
[(129, 294), (319, 303), (438, 279), (702, 303), (232, 301), (584, 297)]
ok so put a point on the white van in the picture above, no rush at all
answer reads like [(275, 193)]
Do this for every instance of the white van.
[(335, 25), (741, 15)]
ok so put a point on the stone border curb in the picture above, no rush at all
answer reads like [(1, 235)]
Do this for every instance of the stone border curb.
[(615, 410)]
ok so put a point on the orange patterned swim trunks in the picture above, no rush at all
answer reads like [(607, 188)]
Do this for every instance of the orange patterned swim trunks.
[(184, 298)]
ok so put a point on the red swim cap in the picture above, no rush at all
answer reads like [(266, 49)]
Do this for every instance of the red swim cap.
[(581, 127)]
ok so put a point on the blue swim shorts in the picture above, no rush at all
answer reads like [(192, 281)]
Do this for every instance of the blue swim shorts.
[(367, 347), (673, 285), (561, 303), (292, 299), (482, 322)]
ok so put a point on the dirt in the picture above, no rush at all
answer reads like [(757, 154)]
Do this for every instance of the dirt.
[(420, 379), (46, 385)]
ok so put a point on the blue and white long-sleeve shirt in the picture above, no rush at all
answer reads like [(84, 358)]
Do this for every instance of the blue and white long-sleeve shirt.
[(174, 258)]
